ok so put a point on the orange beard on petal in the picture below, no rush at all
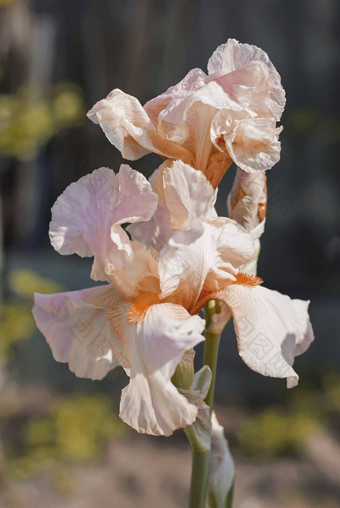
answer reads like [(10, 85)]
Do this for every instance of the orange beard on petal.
[(242, 279), (246, 279), (140, 306)]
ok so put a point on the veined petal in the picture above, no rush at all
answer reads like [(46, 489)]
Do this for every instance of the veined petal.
[(86, 218), (234, 56), (208, 264), (76, 328), (271, 329), (253, 144), (128, 127), (155, 344), (194, 80), (185, 198)]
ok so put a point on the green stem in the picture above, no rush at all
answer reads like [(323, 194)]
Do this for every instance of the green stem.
[(201, 457), (199, 478), (212, 342)]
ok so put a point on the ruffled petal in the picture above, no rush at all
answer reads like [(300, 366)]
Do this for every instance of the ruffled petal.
[(76, 328), (207, 264), (233, 56), (128, 127), (86, 218), (185, 198), (271, 329), (154, 345), (254, 144)]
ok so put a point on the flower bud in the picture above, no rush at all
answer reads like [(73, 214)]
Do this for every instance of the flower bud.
[(184, 373), (247, 201), (221, 468)]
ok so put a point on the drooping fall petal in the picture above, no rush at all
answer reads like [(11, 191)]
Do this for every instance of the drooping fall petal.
[(271, 329), (76, 328), (155, 343)]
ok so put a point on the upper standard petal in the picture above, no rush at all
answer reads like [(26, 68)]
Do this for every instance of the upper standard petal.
[(86, 218)]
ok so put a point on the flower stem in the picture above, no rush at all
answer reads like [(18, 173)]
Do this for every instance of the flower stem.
[(212, 342), (199, 478), (201, 456)]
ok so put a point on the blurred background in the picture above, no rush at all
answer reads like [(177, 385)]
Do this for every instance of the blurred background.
[(61, 442)]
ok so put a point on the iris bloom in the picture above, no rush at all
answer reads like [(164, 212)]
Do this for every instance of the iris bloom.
[(206, 120), (145, 316)]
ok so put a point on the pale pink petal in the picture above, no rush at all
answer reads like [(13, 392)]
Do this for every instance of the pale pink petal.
[(151, 403), (233, 56), (129, 128), (185, 198), (194, 80), (253, 144), (76, 327), (209, 263), (271, 329), (187, 121), (139, 274), (86, 218)]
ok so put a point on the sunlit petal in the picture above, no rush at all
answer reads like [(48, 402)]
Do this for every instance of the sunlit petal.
[(151, 403), (271, 329), (86, 218)]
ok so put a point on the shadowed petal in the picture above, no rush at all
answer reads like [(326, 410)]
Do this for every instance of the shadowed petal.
[(75, 326)]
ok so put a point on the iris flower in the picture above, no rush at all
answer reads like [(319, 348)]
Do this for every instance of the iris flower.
[(174, 257), (206, 120)]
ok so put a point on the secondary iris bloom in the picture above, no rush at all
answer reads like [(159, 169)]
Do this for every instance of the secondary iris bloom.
[(145, 317), (206, 121)]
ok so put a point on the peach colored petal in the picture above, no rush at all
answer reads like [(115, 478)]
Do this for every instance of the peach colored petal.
[(181, 123), (86, 218), (151, 403), (139, 274), (209, 263), (185, 198), (271, 329), (234, 56), (76, 328), (247, 201), (129, 128)]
